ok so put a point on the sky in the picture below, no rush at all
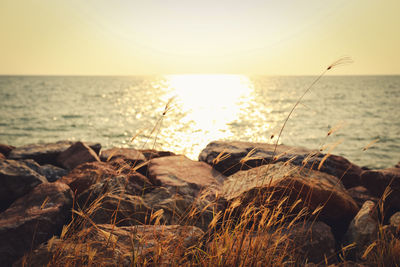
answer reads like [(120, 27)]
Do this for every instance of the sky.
[(103, 37)]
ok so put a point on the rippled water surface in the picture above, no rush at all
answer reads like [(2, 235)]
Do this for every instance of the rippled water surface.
[(357, 110)]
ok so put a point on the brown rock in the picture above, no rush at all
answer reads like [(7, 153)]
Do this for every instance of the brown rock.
[(185, 187), (183, 175), (16, 179), (281, 180), (46, 153), (113, 246), (229, 157), (360, 194), (88, 174), (313, 241), (116, 199), (152, 154), (6, 149), (130, 155), (376, 181), (2, 156), (397, 165), (33, 219), (75, 155)]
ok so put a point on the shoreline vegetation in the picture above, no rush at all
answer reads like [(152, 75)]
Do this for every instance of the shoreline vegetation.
[(241, 204)]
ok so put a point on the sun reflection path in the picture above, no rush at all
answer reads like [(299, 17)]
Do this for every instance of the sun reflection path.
[(205, 105)]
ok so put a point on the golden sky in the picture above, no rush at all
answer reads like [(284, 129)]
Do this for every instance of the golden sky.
[(103, 37)]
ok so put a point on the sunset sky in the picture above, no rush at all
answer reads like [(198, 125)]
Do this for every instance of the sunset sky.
[(287, 37)]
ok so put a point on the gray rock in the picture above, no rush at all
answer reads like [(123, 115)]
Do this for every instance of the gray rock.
[(16, 179), (363, 229)]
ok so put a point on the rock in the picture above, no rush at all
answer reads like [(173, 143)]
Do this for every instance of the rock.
[(46, 153), (16, 179), (395, 223), (152, 154), (270, 184), (397, 165), (360, 194), (88, 174), (376, 181), (185, 187), (33, 219), (120, 246), (115, 200), (75, 155), (130, 155), (183, 175), (52, 173), (6, 149), (2, 156), (229, 157), (363, 229), (313, 241)]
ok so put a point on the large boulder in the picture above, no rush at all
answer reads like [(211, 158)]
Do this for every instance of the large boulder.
[(108, 245), (283, 185), (6, 149), (363, 229), (183, 175), (229, 157), (76, 155), (33, 219), (376, 181), (16, 179), (187, 190), (46, 153)]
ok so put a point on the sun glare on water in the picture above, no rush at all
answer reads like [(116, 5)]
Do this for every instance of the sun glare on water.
[(205, 105)]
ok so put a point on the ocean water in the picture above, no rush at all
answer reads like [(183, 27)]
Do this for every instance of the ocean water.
[(340, 114)]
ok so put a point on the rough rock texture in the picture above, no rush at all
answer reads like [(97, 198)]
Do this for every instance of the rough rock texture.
[(46, 153), (395, 224), (76, 155), (185, 187), (360, 194), (363, 229), (33, 219), (6, 149), (52, 173), (116, 199), (183, 175), (314, 240), (152, 154), (16, 179), (130, 155), (84, 176), (113, 246), (315, 189), (2, 156), (376, 182), (229, 157)]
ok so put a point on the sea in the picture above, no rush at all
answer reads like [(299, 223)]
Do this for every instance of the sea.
[(357, 117)]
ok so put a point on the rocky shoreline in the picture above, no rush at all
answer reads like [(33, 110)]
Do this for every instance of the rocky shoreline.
[(163, 198)]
